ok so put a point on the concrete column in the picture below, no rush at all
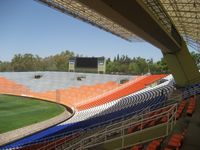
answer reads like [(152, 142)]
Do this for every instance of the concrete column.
[(182, 67)]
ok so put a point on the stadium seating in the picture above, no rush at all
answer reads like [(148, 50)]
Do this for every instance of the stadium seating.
[(180, 109), (191, 106), (69, 96), (175, 141), (190, 91), (126, 100), (128, 121), (51, 81), (149, 98), (119, 92), (82, 97), (73, 96), (154, 145), (7, 87)]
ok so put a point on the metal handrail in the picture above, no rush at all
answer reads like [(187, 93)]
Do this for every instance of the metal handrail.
[(123, 123), (92, 126), (105, 123)]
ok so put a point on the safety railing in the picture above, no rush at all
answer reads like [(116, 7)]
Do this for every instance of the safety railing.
[(119, 130)]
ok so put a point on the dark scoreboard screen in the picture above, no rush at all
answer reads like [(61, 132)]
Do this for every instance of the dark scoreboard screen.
[(85, 62)]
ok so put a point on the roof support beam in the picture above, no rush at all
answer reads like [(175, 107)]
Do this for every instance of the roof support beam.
[(131, 15), (144, 18)]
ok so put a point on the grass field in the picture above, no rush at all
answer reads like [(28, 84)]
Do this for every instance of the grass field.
[(17, 112)]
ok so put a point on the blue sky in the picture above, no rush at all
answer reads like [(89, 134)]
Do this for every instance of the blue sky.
[(27, 26)]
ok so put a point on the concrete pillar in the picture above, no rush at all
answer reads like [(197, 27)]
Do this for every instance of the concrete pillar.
[(182, 67)]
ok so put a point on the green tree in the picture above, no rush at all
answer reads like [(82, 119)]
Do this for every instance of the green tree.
[(196, 57), (134, 68)]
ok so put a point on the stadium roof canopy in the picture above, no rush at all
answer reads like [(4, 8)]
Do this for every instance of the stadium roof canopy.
[(185, 14), (182, 15)]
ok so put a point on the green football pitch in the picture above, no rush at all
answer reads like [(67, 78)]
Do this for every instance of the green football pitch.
[(17, 112)]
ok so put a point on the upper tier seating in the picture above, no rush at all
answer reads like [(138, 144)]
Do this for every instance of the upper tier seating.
[(69, 96), (10, 87), (51, 81), (83, 97)]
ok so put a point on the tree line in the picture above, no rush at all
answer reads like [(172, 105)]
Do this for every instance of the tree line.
[(119, 65), (30, 62), (136, 65)]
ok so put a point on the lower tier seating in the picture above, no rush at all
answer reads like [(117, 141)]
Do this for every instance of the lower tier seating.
[(133, 104), (150, 99), (175, 141), (191, 106)]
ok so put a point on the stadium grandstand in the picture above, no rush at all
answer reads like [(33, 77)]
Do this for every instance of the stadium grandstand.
[(107, 99), (147, 112)]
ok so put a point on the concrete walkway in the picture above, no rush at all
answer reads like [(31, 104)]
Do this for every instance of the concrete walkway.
[(28, 130)]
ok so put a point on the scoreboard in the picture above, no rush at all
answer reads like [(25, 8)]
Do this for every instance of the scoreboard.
[(87, 64), (84, 62)]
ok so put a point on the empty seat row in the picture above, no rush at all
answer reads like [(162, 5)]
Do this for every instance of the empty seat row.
[(154, 118), (154, 145), (58, 80), (175, 141), (191, 106), (127, 89), (180, 109), (191, 90)]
